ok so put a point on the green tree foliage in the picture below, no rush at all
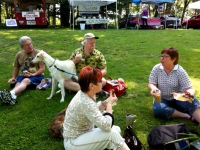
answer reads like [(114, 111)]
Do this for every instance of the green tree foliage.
[(2, 12)]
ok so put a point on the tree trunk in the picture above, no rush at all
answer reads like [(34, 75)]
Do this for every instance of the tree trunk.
[(54, 15), (0, 11), (7, 12), (48, 13), (186, 3), (64, 13)]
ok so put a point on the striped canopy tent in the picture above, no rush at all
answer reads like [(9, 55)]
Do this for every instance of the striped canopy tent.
[(92, 4)]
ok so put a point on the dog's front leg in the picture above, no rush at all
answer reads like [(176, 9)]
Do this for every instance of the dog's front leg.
[(62, 88), (53, 88)]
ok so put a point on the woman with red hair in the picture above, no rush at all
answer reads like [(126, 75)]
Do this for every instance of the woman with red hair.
[(83, 113)]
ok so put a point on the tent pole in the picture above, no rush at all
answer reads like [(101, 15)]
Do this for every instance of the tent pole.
[(116, 16), (70, 16), (106, 16), (187, 24), (140, 16), (175, 16), (106, 12), (165, 17), (73, 16)]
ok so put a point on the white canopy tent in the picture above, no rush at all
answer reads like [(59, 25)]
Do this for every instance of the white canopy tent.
[(195, 5), (92, 3)]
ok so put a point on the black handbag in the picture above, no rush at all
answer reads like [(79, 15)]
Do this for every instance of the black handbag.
[(162, 134), (131, 139)]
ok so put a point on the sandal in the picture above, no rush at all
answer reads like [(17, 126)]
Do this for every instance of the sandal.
[(194, 121), (6, 97), (45, 83)]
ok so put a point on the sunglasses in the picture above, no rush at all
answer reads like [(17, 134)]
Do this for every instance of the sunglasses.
[(95, 72)]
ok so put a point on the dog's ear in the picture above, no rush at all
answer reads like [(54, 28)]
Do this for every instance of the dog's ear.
[(42, 54)]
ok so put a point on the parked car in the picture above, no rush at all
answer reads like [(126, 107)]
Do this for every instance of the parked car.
[(171, 22), (127, 22), (193, 22)]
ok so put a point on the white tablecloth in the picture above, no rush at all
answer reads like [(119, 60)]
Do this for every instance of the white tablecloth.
[(93, 21)]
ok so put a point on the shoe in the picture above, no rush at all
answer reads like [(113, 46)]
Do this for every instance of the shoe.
[(103, 94), (194, 121), (6, 97)]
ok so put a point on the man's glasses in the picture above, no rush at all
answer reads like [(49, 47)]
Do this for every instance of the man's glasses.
[(26, 45)]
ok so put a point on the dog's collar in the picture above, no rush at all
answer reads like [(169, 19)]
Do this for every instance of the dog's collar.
[(52, 64)]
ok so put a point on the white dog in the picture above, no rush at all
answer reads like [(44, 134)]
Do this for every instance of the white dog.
[(60, 71)]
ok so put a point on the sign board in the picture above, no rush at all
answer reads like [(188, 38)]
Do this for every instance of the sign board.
[(30, 15), (11, 23), (88, 8)]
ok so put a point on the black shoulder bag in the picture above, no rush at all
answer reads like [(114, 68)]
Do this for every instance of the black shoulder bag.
[(161, 135)]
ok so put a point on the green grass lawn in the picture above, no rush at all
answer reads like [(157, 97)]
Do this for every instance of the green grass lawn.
[(130, 54)]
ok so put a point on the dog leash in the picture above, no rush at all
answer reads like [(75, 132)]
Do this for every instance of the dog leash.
[(65, 71), (53, 63)]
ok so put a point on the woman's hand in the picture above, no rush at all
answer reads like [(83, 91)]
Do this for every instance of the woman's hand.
[(154, 90), (112, 98), (188, 95), (189, 92)]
